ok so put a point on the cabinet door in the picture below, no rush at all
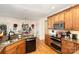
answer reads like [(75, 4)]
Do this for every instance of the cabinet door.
[(64, 50), (61, 17), (2, 51), (71, 47), (10, 49), (21, 48), (47, 39), (68, 19), (53, 21), (77, 48), (76, 18), (68, 47), (49, 22), (56, 18)]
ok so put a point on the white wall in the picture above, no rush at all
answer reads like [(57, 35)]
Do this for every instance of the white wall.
[(9, 21), (41, 28), (39, 25)]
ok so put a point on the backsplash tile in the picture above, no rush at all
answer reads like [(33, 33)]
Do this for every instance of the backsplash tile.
[(75, 32), (72, 32)]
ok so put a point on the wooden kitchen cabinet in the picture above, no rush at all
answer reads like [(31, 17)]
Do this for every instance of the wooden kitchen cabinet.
[(16, 48), (47, 39), (53, 21), (56, 17), (49, 22), (77, 46), (61, 17), (68, 47), (11, 49), (69, 16), (2, 51), (21, 47), (68, 19), (76, 18)]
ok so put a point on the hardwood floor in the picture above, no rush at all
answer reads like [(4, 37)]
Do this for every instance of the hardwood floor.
[(42, 48)]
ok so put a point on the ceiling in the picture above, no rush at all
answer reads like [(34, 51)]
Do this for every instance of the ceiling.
[(30, 11)]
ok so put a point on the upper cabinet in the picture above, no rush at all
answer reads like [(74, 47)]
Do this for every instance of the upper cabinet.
[(68, 19), (76, 18), (53, 20), (56, 18), (49, 22), (61, 17), (69, 16)]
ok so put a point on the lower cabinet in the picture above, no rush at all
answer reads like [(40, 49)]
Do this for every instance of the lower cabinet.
[(47, 39), (16, 48), (68, 47), (21, 48), (2, 51), (77, 45), (11, 49)]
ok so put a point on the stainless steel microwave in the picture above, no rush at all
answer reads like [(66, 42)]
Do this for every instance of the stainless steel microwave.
[(59, 26)]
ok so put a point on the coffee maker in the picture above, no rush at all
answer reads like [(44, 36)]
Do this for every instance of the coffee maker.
[(68, 33)]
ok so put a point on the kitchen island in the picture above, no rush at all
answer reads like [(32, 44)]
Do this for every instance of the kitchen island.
[(16, 46)]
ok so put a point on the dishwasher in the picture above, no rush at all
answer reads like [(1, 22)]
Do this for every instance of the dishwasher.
[(30, 45)]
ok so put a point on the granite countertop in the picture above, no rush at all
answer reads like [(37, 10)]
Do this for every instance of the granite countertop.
[(72, 40), (7, 43), (4, 44)]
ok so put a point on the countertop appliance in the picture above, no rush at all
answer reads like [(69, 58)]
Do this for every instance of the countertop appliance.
[(59, 25), (30, 44), (74, 36), (68, 33)]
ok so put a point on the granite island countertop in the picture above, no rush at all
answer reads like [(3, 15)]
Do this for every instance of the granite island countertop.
[(7, 43)]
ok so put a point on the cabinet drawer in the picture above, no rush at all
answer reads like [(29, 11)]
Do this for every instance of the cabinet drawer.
[(77, 47), (64, 51), (47, 39), (11, 51), (20, 42), (10, 47), (68, 47), (68, 43)]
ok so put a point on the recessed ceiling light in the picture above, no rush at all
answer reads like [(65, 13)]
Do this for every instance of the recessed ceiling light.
[(53, 7)]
